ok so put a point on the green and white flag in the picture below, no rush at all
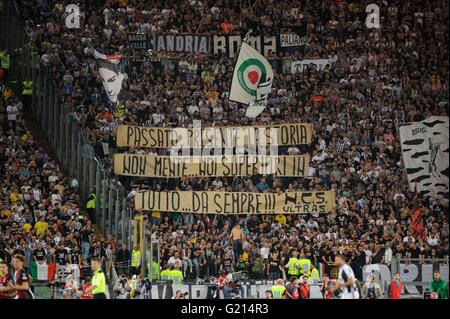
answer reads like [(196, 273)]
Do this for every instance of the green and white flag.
[(252, 80)]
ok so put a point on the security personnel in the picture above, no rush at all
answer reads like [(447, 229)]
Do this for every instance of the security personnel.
[(165, 274), (90, 206), (5, 60), (27, 92), (176, 275), (4, 63), (315, 276), (152, 272), (304, 265), (135, 260), (98, 283), (27, 87), (293, 265), (35, 60), (278, 289)]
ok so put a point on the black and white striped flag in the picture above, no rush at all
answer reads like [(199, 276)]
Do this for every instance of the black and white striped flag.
[(425, 147)]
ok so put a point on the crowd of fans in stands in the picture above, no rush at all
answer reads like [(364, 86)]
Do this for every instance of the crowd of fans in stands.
[(381, 78)]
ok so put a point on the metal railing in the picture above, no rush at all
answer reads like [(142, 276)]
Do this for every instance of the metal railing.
[(416, 274), (69, 141)]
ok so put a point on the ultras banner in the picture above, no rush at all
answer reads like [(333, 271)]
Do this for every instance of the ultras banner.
[(211, 202), (189, 43), (209, 166), (229, 44), (164, 137), (217, 44), (292, 40)]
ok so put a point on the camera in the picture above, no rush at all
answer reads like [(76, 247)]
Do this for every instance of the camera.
[(123, 279), (240, 276)]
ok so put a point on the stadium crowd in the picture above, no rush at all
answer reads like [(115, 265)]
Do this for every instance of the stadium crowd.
[(39, 207), (381, 78)]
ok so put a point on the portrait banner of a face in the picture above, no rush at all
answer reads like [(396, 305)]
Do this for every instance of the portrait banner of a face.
[(112, 76)]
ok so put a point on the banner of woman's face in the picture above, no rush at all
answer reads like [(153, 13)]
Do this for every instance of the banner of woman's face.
[(112, 79)]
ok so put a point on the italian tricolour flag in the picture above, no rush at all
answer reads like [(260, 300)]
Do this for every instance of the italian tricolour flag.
[(42, 271)]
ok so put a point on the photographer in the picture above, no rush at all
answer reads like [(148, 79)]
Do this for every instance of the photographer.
[(146, 289), (122, 288), (71, 288), (86, 294), (371, 289), (140, 288), (180, 295), (327, 288)]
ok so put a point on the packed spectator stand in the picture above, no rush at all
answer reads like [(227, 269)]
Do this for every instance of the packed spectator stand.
[(381, 78)]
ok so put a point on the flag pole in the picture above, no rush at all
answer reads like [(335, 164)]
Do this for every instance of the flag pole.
[(245, 39), (247, 35)]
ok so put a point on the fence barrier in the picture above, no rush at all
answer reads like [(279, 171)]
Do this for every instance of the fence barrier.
[(69, 141)]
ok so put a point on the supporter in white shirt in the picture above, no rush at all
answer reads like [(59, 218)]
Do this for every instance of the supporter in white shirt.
[(12, 112), (217, 183), (399, 197), (319, 157), (215, 10), (311, 171), (311, 224), (56, 198), (265, 250), (107, 13), (433, 240), (53, 178), (68, 78), (408, 237), (174, 260), (388, 254), (183, 64), (158, 117), (217, 109), (37, 194), (292, 150), (192, 109), (368, 255)]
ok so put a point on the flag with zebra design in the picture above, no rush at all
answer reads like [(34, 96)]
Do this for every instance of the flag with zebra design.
[(425, 148)]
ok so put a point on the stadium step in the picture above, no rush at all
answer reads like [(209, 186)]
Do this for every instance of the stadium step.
[(38, 135), (33, 126)]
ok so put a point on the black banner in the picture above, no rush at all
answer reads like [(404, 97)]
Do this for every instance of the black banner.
[(229, 44), (218, 44), (187, 43)]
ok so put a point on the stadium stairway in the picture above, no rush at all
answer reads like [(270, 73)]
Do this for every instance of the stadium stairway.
[(38, 135)]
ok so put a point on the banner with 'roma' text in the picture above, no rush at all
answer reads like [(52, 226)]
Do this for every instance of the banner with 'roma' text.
[(212, 202), (209, 166), (218, 137)]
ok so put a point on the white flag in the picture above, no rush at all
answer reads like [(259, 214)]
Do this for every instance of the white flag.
[(252, 80), (425, 147)]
